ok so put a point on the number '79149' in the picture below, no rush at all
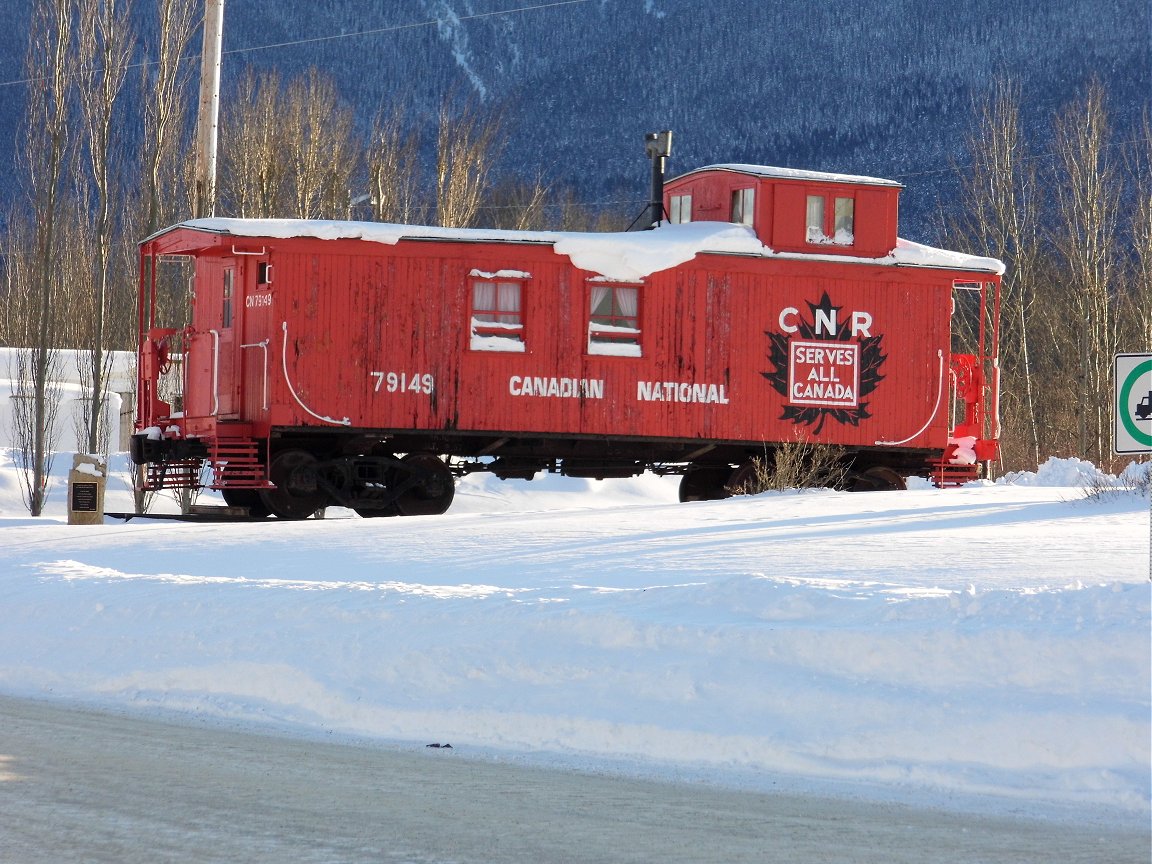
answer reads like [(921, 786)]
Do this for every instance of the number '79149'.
[(404, 382)]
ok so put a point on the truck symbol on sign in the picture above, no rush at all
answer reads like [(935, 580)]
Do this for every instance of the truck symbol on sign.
[(1144, 409)]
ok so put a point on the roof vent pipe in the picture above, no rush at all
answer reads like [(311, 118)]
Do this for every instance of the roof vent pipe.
[(658, 146)]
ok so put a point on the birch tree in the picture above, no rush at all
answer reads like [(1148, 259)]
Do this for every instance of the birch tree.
[(1000, 216), (163, 196), (104, 48), (467, 147), (324, 153), (1139, 306), (255, 151), (165, 88), (392, 159), (46, 157), (1087, 197)]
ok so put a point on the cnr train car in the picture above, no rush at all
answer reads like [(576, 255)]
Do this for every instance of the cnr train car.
[(367, 365)]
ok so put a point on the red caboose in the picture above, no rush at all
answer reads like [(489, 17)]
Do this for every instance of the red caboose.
[(365, 364)]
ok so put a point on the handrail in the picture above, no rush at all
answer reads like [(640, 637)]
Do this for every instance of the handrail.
[(292, 390), (935, 408), (264, 346), (215, 371)]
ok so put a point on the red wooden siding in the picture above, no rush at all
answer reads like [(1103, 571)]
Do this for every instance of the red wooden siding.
[(358, 336), (379, 336)]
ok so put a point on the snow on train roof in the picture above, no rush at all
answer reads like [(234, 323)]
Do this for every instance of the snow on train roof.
[(621, 255), (794, 174)]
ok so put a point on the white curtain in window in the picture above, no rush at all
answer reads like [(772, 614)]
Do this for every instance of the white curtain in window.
[(509, 296), (815, 217), (627, 299), (601, 300), (845, 208), (483, 300)]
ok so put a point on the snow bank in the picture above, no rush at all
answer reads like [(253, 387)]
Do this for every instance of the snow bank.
[(69, 429), (70, 383), (1077, 473), (988, 643)]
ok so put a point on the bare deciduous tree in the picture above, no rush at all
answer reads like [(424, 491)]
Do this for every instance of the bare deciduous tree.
[(255, 151), (1000, 216), (1086, 238), (516, 205), (47, 158), (1077, 286), (1138, 311), (324, 154), (164, 159), (576, 216), (103, 52), (165, 99), (466, 152), (287, 152), (393, 163)]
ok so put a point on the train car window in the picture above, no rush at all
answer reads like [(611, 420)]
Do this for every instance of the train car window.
[(743, 206), (844, 226), (614, 320), (681, 209), (831, 220), (816, 219), (226, 311), (263, 273), (497, 316)]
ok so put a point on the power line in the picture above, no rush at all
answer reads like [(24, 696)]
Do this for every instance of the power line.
[(434, 22), (400, 27), (1047, 154)]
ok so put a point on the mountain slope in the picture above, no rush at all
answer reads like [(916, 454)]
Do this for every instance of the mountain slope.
[(881, 88)]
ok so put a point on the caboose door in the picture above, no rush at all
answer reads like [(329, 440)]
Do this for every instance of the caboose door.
[(214, 340), (254, 333)]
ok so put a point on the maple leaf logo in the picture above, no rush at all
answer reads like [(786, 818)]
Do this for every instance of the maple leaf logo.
[(821, 370)]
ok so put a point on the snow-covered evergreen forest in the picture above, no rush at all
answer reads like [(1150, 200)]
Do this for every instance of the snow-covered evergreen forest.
[(883, 88)]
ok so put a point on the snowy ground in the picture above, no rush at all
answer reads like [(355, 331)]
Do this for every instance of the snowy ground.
[(988, 644)]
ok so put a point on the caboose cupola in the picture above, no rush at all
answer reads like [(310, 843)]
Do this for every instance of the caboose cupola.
[(792, 211)]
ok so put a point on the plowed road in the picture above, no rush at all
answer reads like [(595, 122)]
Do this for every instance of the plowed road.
[(82, 786)]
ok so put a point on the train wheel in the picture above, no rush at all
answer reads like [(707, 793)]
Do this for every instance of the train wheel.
[(878, 478), (429, 487), (297, 494), (747, 479), (249, 498), (705, 483)]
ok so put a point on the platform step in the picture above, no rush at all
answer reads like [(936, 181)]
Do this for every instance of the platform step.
[(184, 474), (236, 464), (948, 474)]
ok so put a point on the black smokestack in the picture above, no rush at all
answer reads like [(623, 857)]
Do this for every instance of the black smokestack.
[(658, 146)]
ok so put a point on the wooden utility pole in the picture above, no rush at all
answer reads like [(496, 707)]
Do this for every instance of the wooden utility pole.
[(208, 117), (207, 124)]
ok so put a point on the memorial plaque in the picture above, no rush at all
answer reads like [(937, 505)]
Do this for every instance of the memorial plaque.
[(85, 497)]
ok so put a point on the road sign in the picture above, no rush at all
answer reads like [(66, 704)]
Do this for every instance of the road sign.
[(1132, 409)]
